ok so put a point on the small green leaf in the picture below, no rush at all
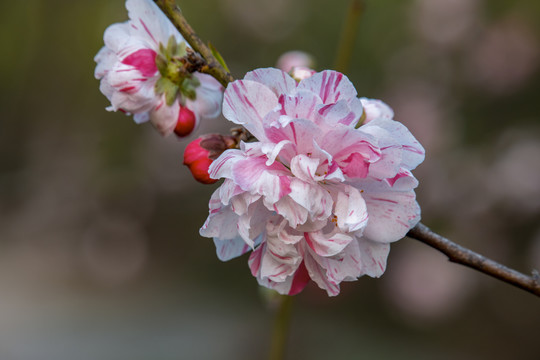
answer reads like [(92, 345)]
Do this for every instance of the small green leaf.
[(194, 81), (361, 120), (171, 94), (159, 88), (162, 49), (188, 87), (218, 57), (172, 46), (161, 64), (181, 50), (167, 87)]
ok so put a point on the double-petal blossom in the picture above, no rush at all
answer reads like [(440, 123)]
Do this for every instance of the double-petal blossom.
[(325, 189), (128, 71)]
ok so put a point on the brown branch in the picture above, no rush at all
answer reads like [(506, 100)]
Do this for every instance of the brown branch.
[(213, 67), (460, 255)]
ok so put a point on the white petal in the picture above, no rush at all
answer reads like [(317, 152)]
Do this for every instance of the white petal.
[(247, 103), (207, 104), (329, 85), (149, 22), (391, 213), (229, 249), (373, 257), (412, 152), (276, 80), (165, 117)]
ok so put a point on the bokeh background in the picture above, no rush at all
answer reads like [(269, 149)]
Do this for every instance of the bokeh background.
[(100, 256)]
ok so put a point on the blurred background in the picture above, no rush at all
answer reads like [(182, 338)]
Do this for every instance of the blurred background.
[(100, 256)]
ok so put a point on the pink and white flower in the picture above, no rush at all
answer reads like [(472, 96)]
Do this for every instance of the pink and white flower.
[(319, 196), (128, 71)]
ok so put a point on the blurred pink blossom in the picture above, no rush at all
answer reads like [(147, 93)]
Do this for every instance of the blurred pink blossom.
[(445, 22), (292, 59), (504, 57), (423, 284)]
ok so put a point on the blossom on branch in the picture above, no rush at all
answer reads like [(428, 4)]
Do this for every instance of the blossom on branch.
[(325, 189), (142, 72)]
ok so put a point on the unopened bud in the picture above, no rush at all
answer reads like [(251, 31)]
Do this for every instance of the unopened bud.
[(186, 122), (300, 73), (200, 153), (292, 59)]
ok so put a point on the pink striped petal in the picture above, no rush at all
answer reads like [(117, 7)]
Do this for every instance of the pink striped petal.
[(350, 209), (229, 249), (312, 197), (329, 85), (247, 102), (346, 112), (391, 213), (272, 182), (327, 244), (318, 274), (304, 168), (301, 105), (345, 266), (412, 152), (276, 80), (149, 23), (373, 257)]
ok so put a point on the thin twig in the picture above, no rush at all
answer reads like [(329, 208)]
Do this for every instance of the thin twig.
[(459, 254), (213, 67), (281, 328), (348, 36)]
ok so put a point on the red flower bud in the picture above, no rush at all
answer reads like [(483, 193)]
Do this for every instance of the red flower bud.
[(200, 153), (186, 122)]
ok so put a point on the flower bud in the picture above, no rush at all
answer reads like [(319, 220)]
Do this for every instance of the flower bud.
[(291, 59), (186, 122), (200, 153), (300, 73)]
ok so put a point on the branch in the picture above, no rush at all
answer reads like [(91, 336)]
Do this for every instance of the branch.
[(213, 66), (349, 33), (460, 255)]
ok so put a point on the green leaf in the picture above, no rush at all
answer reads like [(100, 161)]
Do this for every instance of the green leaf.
[(181, 50), (167, 87), (161, 64), (188, 87), (171, 46), (171, 94), (218, 57)]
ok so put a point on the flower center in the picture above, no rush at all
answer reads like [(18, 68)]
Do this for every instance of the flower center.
[(176, 82)]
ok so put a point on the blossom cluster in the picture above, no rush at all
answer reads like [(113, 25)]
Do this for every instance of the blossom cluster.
[(325, 189), (322, 191), (141, 73)]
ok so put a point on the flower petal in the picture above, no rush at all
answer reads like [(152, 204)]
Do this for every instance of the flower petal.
[(229, 249), (412, 152), (149, 22), (330, 86), (246, 103), (373, 257), (253, 175), (375, 109), (391, 213), (276, 80)]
